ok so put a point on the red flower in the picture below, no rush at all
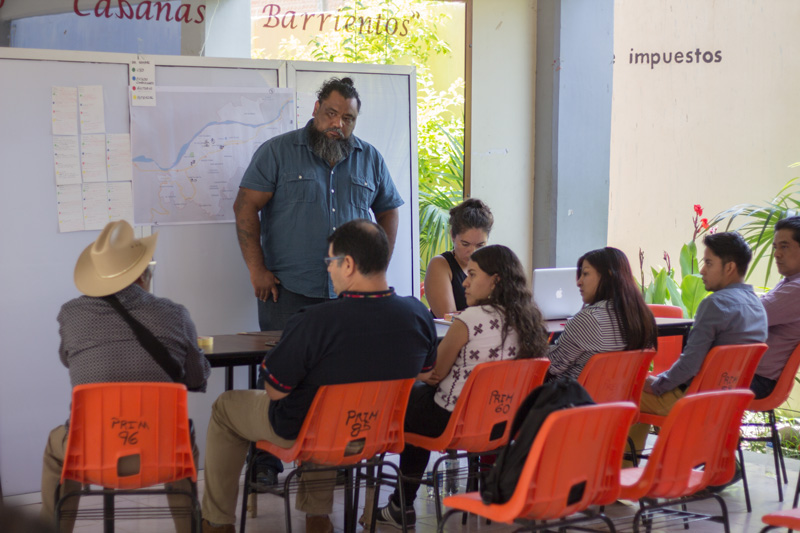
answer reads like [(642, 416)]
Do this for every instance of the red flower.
[(698, 210), (704, 223), (422, 289)]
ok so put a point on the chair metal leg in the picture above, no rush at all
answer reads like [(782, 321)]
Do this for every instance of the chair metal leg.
[(776, 437), (349, 503), (246, 492), (377, 496), (744, 478), (197, 519), (796, 493), (472, 482), (287, 500), (447, 515), (777, 454), (108, 511), (724, 509), (437, 495)]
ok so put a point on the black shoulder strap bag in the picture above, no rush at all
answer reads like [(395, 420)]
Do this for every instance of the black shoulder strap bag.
[(149, 342)]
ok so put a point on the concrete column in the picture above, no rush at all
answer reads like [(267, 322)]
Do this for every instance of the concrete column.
[(573, 129)]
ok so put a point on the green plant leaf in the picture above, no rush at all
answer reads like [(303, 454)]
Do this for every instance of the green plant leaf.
[(757, 222), (675, 294), (689, 259), (692, 293)]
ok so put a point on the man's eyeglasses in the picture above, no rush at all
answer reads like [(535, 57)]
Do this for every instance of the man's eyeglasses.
[(329, 260)]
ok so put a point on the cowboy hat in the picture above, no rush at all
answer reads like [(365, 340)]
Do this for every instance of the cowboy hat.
[(114, 261)]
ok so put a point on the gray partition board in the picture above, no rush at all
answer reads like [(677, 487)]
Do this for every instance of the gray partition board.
[(199, 265)]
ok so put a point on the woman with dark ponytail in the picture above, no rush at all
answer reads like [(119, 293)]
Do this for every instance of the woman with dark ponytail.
[(470, 224)]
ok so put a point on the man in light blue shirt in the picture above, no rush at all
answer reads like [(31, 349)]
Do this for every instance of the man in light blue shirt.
[(733, 314), (305, 184)]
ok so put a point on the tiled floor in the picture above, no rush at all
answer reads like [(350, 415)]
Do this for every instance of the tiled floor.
[(270, 508)]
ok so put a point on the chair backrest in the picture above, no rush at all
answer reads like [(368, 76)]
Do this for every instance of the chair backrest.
[(701, 429), (113, 425), (665, 311), (353, 421), (616, 376), (485, 409), (669, 347), (783, 387), (574, 462), (728, 367)]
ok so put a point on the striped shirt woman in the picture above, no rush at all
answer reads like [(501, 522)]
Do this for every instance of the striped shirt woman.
[(615, 317), (594, 329)]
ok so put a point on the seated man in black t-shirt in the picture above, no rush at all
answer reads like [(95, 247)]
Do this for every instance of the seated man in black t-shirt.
[(367, 334)]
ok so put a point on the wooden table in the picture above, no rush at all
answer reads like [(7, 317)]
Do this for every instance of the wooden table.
[(243, 349), (249, 349)]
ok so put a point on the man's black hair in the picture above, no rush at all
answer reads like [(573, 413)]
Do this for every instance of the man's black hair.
[(343, 86), (365, 242), (730, 247), (791, 223)]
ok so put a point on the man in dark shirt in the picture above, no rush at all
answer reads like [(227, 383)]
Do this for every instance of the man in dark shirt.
[(367, 334)]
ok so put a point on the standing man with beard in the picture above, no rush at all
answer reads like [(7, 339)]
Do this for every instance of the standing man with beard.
[(305, 184)]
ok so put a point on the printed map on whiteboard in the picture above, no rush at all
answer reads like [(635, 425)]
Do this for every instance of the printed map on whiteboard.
[(190, 151)]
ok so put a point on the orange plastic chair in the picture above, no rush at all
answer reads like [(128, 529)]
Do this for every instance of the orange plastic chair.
[(701, 429), (616, 376), (779, 395), (345, 425), (114, 423), (482, 417), (724, 368), (671, 346), (573, 463), (789, 518)]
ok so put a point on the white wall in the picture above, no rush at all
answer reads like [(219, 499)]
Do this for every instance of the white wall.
[(502, 115), (715, 134)]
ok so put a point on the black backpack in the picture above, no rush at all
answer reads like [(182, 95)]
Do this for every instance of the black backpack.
[(501, 481)]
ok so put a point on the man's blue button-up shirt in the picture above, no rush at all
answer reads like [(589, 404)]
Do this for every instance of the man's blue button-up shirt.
[(310, 200)]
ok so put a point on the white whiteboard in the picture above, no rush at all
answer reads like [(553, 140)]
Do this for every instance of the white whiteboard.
[(199, 266)]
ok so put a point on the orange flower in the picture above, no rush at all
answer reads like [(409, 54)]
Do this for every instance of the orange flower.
[(704, 223)]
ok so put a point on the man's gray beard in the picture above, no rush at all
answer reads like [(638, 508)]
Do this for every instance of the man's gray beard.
[(331, 150)]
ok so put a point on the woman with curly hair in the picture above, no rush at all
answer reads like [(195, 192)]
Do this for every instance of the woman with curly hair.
[(501, 322), (613, 318)]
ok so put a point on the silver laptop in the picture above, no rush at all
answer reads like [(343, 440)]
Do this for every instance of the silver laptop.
[(555, 292)]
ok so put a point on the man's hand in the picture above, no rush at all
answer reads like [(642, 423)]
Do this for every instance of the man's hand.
[(265, 285), (248, 230), (648, 384)]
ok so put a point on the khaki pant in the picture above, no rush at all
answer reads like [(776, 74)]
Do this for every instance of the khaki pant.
[(238, 418), (655, 405), (51, 477)]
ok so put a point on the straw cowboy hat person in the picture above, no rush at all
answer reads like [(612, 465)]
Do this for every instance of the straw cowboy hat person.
[(114, 261)]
